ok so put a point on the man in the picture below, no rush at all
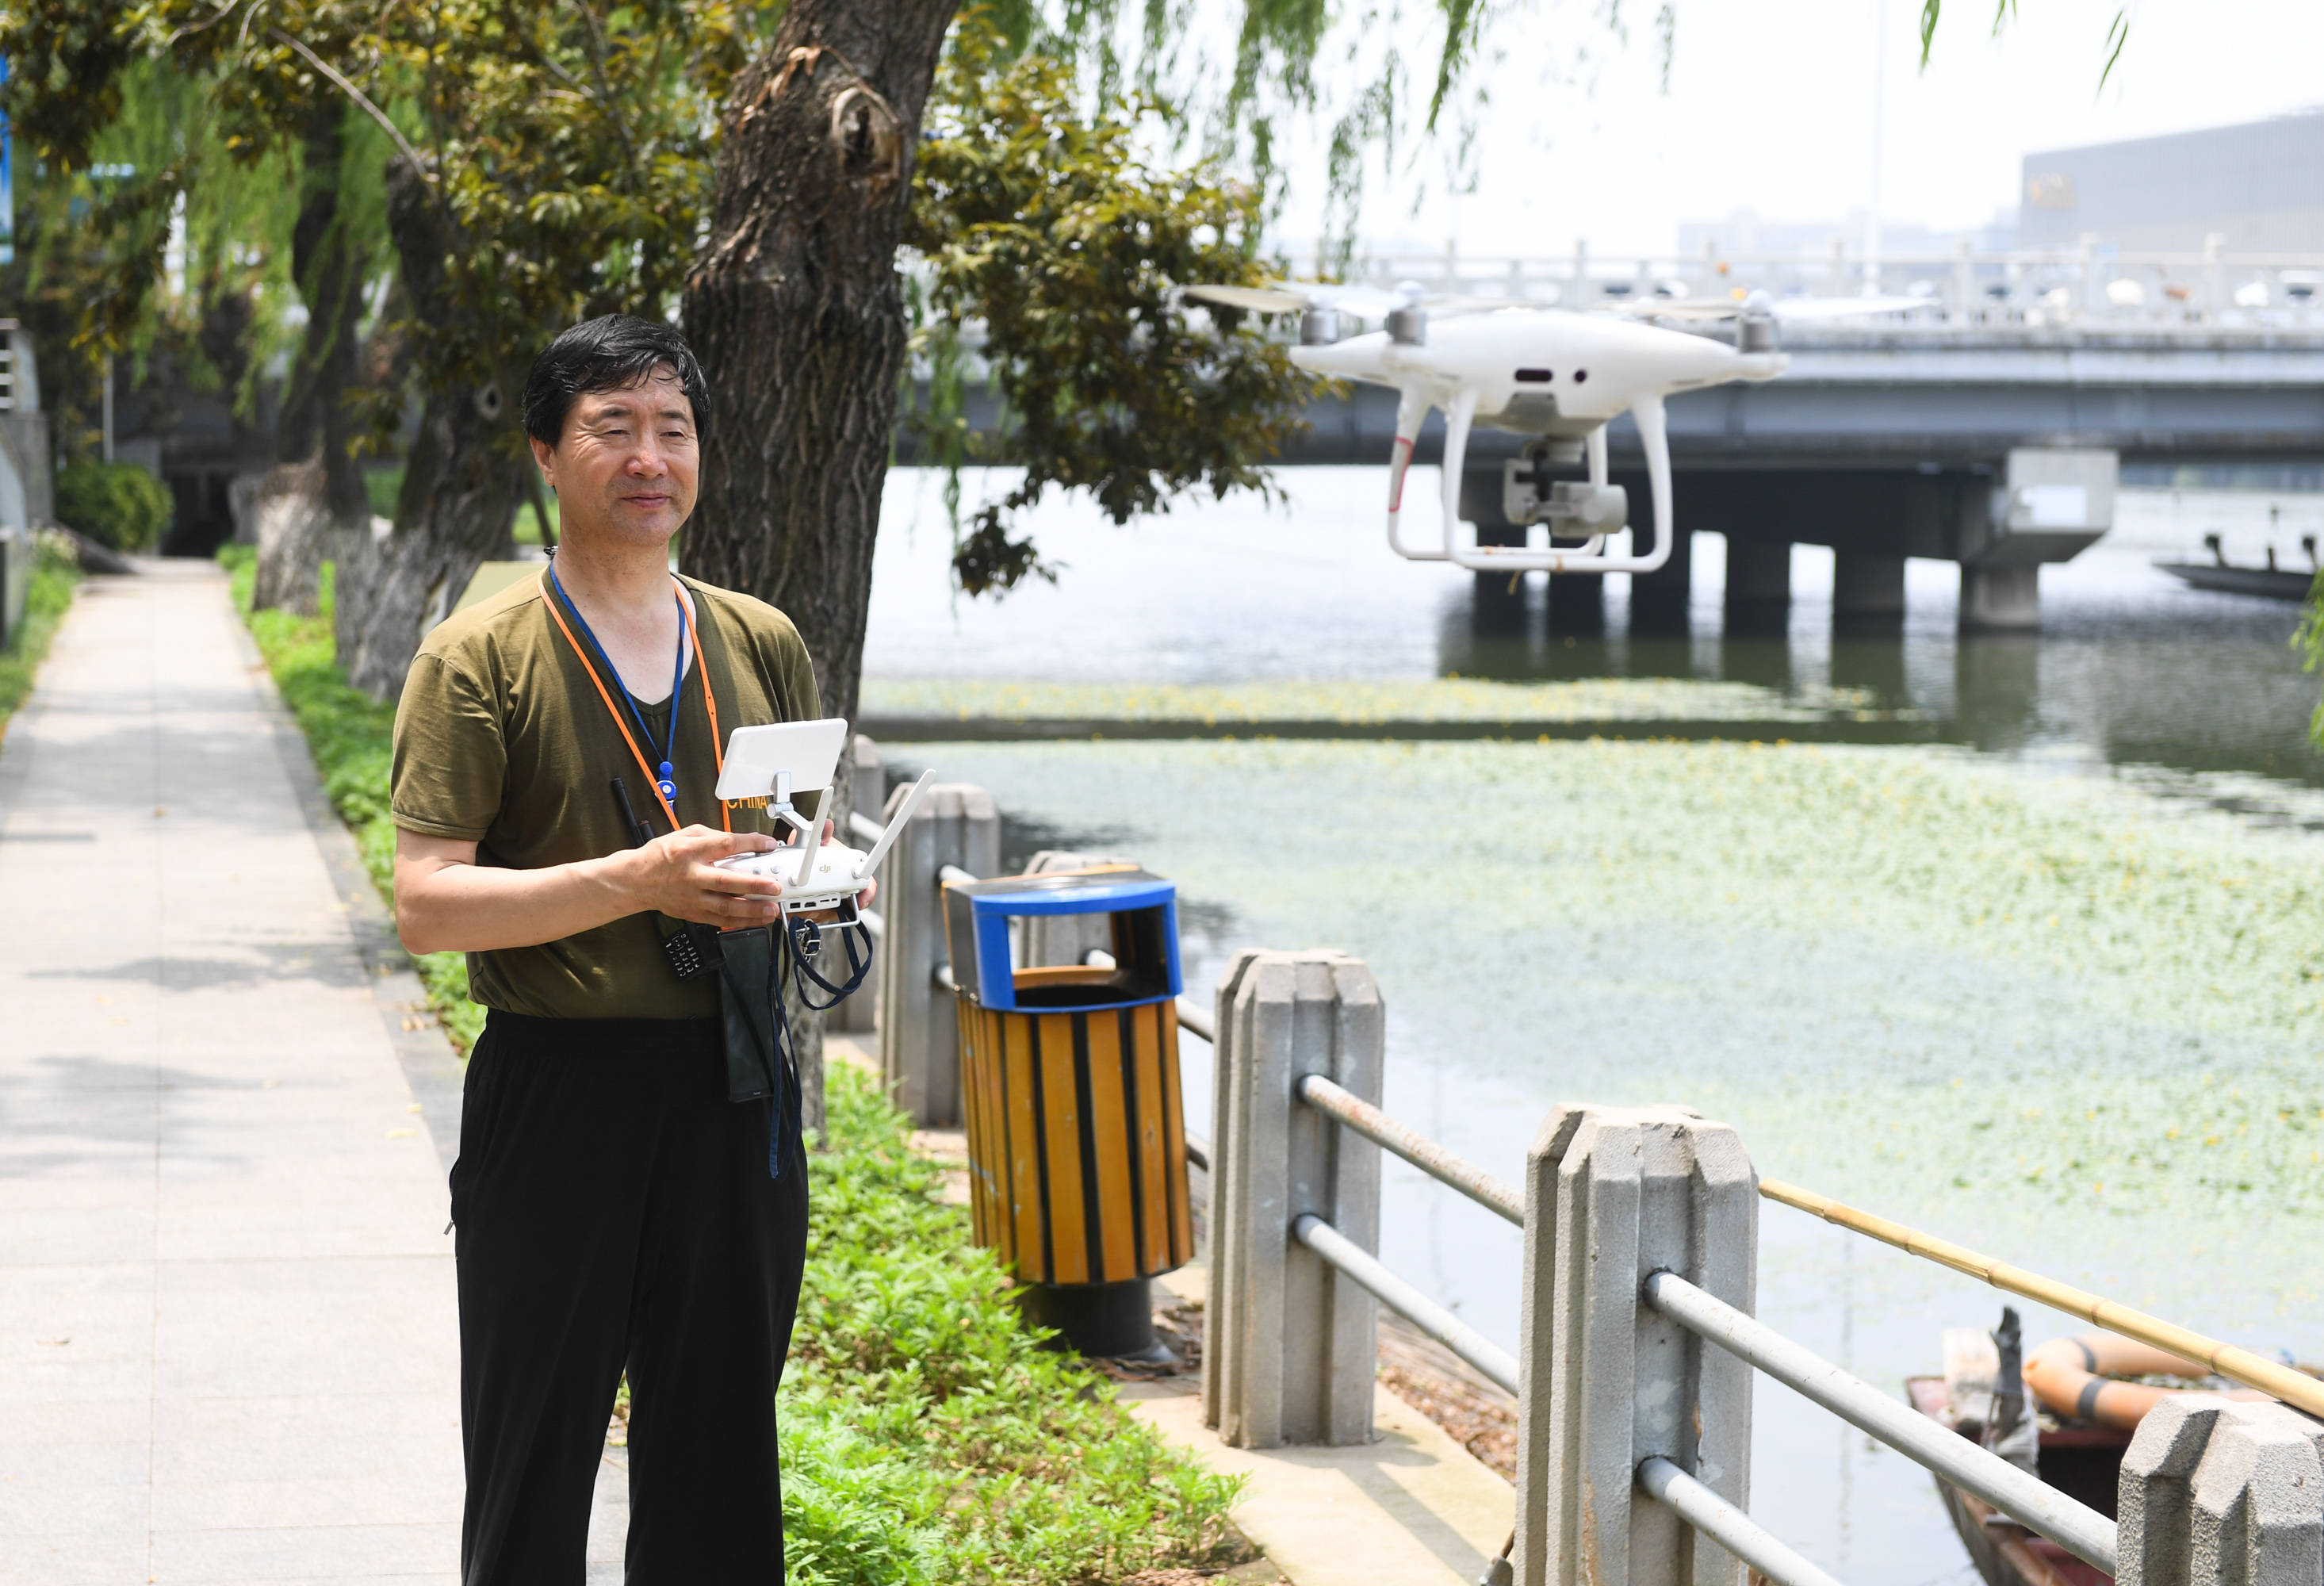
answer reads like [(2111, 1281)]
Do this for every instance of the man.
[(620, 1204)]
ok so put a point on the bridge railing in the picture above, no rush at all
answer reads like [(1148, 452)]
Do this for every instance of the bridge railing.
[(2090, 283), (1638, 1341)]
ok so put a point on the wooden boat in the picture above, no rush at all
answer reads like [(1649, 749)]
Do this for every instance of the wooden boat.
[(2222, 577), (2084, 1463), (2101, 1375)]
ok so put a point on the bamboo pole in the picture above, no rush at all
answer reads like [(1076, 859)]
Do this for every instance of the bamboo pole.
[(2294, 1387)]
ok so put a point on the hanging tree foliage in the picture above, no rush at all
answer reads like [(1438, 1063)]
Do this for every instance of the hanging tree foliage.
[(1044, 228), (763, 164)]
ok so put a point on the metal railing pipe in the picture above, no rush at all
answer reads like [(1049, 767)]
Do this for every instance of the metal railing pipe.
[(1343, 1253), (1727, 1525), (1198, 1151), (873, 921), (2081, 1530), (862, 826), (952, 873), (943, 978), (2294, 1387), (1493, 1194)]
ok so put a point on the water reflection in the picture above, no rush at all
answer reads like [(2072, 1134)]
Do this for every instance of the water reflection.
[(1997, 682), (2127, 670)]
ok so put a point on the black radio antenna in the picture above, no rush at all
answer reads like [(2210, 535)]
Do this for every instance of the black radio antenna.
[(637, 828)]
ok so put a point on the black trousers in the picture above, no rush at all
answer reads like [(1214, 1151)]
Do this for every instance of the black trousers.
[(615, 1213)]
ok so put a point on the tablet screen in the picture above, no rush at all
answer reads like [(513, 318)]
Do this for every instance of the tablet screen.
[(809, 750)]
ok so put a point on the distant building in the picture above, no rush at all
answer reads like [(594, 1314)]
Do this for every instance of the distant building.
[(2260, 187)]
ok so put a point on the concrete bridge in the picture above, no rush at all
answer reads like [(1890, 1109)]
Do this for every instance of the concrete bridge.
[(1932, 435), (1911, 440)]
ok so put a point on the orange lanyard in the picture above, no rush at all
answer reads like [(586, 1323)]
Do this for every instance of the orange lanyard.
[(709, 701)]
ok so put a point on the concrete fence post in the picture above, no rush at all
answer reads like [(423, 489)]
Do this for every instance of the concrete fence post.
[(1289, 1346), (1612, 1195), (2222, 1492), (865, 781), (1066, 938), (919, 1052)]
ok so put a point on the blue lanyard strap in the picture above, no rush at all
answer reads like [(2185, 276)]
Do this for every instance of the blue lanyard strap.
[(667, 751)]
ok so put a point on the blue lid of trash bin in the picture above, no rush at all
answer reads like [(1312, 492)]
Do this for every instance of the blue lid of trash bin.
[(977, 916)]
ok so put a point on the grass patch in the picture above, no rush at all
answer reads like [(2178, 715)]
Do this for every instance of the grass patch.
[(349, 735), (54, 574), (927, 1435)]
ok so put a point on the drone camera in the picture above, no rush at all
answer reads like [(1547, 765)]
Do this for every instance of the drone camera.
[(1528, 497), (1600, 508)]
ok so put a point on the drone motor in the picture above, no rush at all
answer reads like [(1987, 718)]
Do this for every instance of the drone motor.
[(1319, 328)]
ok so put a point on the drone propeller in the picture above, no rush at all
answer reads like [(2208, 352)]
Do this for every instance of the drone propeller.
[(1258, 300), (1365, 302)]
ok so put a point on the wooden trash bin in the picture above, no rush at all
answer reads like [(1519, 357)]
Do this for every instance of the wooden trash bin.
[(1069, 1082)]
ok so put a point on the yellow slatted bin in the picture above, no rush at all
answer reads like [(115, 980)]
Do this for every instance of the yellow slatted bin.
[(1076, 1133)]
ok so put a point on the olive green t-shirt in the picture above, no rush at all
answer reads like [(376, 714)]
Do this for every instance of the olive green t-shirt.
[(502, 739)]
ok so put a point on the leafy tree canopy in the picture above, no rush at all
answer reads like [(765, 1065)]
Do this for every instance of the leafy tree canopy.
[(163, 246), (1042, 229), (551, 160)]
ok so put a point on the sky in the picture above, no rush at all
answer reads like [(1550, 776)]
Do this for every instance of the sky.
[(1771, 106)]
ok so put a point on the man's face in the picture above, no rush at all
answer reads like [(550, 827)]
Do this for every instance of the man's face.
[(626, 465)]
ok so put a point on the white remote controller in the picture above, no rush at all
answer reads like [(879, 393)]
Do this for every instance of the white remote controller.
[(816, 875)]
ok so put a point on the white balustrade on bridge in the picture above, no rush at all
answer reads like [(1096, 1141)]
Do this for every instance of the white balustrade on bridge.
[(2094, 284)]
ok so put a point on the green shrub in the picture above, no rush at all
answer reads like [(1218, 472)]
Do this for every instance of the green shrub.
[(117, 504), (50, 593), (927, 1434)]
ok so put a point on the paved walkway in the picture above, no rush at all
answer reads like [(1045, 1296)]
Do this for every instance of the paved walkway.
[(228, 1346)]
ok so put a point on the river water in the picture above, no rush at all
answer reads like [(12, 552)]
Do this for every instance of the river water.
[(2042, 976)]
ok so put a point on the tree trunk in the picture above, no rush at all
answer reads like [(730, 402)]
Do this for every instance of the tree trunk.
[(796, 313), (294, 534), (460, 484), (316, 490)]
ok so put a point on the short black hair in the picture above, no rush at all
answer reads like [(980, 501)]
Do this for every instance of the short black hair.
[(614, 352)]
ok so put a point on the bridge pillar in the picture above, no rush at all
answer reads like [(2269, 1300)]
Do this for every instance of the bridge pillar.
[(1658, 600), (1577, 602), (1758, 583), (1867, 591), (2000, 597)]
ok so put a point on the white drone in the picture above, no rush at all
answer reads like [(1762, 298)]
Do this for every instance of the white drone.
[(1559, 376)]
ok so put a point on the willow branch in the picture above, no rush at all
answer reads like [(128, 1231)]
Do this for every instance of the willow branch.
[(363, 102), (212, 19), (607, 102)]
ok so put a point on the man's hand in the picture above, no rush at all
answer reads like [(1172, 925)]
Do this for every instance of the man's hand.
[(678, 875), (445, 902)]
